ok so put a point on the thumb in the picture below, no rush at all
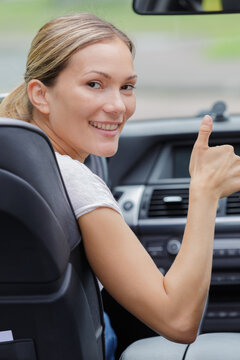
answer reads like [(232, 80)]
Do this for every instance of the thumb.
[(205, 131)]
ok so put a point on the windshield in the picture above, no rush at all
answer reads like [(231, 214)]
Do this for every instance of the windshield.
[(184, 63)]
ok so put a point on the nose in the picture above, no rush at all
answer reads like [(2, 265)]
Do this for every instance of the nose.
[(114, 104)]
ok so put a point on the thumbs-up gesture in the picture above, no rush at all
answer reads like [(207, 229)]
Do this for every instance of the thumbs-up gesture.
[(215, 170)]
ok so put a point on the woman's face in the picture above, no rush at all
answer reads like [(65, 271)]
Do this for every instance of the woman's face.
[(92, 99)]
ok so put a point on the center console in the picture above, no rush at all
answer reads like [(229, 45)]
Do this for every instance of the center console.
[(157, 213)]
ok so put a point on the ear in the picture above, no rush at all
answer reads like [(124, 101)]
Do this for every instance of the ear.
[(37, 95)]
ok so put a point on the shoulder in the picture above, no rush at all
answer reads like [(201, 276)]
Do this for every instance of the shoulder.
[(69, 165), (86, 190), (77, 174)]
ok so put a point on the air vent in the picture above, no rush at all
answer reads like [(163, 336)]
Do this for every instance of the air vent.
[(168, 203), (233, 204)]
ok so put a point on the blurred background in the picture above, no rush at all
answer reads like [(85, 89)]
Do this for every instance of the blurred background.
[(184, 63)]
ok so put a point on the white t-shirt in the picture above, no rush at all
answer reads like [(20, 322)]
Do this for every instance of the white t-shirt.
[(86, 190)]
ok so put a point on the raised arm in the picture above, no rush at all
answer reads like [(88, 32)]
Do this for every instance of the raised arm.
[(172, 305)]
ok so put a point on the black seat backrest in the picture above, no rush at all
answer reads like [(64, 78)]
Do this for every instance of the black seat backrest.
[(49, 296)]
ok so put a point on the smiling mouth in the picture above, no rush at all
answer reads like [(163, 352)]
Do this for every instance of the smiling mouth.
[(102, 126)]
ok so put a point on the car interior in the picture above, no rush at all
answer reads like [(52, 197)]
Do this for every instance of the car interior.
[(48, 290), (49, 299), (149, 176)]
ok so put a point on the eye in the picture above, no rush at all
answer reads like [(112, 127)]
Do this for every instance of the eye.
[(94, 84), (128, 87)]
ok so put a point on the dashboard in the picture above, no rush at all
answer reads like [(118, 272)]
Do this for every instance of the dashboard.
[(150, 180)]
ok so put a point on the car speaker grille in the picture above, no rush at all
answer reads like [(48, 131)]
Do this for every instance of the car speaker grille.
[(168, 203), (233, 204)]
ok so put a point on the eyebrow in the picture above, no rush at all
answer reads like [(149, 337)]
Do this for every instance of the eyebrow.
[(108, 76)]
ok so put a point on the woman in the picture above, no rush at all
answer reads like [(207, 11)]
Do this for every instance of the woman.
[(79, 89)]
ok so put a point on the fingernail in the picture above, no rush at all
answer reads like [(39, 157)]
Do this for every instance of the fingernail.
[(207, 119)]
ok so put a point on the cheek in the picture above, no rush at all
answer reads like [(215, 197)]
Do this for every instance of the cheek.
[(131, 106)]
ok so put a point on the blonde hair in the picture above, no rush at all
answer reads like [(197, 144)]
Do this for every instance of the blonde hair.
[(50, 52)]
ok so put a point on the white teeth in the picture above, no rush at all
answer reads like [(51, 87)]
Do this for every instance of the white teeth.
[(104, 126)]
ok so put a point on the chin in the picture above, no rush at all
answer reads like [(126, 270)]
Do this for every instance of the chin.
[(107, 152)]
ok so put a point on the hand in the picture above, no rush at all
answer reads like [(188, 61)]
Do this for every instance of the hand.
[(215, 169)]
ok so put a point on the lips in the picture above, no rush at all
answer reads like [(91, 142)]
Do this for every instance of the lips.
[(104, 126)]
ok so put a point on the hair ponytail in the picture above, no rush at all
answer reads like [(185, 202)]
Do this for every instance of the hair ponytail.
[(17, 105)]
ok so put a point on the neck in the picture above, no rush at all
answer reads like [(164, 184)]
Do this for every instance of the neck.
[(57, 143)]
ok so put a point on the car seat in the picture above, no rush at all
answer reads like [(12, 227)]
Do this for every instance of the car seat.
[(49, 296)]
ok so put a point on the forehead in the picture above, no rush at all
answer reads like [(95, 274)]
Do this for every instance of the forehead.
[(101, 56)]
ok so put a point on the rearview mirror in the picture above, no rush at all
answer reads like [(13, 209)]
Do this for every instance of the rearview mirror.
[(182, 7)]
